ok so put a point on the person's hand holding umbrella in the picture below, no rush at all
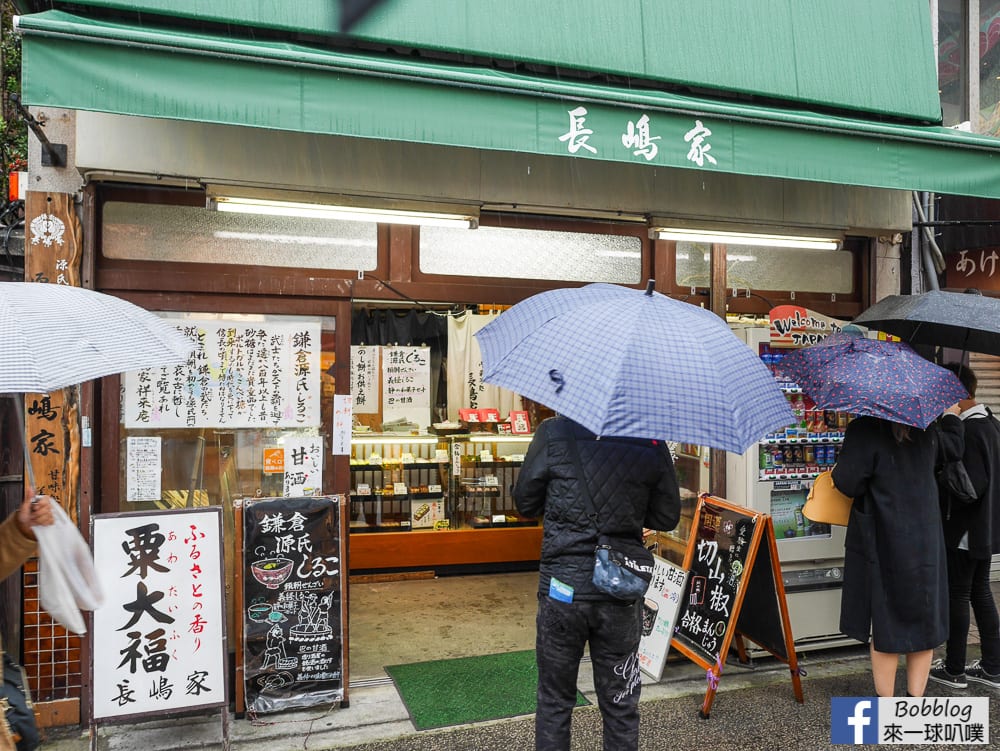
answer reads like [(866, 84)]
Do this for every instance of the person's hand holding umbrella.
[(34, 512)]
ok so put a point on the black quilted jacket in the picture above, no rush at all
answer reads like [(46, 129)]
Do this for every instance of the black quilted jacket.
[(632, 483)]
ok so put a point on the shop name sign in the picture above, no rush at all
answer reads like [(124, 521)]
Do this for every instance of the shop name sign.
[(641, 136), (974, 268)]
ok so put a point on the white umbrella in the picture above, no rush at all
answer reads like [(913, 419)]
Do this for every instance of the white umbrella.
[(53, 336)]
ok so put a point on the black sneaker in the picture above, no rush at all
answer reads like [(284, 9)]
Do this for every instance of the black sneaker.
[(940, 675), (975, 672)]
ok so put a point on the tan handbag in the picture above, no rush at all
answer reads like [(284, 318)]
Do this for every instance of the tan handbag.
[(825, 503)]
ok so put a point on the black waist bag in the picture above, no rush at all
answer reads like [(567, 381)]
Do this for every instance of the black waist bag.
[(16, 702)]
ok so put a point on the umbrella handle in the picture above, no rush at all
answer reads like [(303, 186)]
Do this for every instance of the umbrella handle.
[(28, 469)]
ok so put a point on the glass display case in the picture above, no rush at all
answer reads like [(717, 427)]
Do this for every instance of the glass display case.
[(484, 467), (691, 465), (414, 482), (398, 483)]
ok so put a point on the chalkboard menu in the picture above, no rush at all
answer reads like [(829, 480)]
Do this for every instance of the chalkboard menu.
[(292, 602), (722, 542), (734, 590)]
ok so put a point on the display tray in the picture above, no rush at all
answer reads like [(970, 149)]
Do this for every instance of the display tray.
[(479, 491), (386, 526), (495, 464), (392, 466), (447, 431), (480, 521)]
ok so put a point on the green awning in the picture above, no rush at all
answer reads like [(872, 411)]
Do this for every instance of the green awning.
[(121, 68)]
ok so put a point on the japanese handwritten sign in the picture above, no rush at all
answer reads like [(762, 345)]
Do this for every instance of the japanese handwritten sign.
[(406, 384), (721, 544), (303, 465), (659, 615), (239, 375), (293, 594), (159, 638), (364, 378), (973, 268)]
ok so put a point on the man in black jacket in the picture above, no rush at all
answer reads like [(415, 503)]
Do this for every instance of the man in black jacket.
[(972, 536), (633, 486)]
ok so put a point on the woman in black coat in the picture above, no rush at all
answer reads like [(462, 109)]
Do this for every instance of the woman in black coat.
[(895, 590)]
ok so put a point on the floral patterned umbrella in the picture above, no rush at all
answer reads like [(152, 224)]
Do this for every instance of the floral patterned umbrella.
[(849, 373)]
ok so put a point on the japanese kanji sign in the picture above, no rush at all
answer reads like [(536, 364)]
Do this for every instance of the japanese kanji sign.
[(364, 378), (240, 375), (659, 615), (160, 637), (406, 384), (973, 268), (293, 594), (732, 561)]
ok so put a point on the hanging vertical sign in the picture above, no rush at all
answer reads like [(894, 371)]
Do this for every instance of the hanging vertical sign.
[(160, 637), (406, 385), (293, 581), (53, 249), (239, 375), (364, 379)]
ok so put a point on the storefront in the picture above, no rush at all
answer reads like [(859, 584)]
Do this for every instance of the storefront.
[(567, 182)]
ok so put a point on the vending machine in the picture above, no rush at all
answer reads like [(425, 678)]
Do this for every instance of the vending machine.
[(774, 477)]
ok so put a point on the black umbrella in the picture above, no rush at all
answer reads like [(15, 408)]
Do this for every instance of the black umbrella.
[(968, 321)]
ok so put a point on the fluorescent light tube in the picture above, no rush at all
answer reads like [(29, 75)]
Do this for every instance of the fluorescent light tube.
[(744, 238), (240, 205)]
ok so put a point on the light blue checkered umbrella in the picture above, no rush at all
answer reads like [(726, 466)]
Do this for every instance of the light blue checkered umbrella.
[(53, 336), (623, 362)]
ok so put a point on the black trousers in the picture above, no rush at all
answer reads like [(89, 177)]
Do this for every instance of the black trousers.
[(969, 584), (613, 631)]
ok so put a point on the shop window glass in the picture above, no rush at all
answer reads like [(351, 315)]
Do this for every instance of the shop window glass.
[(190, 234), (229, 423), (531, 254), (242, 419), (953, 47), (759, 267), (989, 66)]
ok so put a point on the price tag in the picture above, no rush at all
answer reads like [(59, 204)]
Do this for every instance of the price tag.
[(485, 455), (399, 488), (499, 519), (433, 488), (491, 481), (441, 456), (364, 489)]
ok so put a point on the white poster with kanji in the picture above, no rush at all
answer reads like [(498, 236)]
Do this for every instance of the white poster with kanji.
[(364, 378), (240, 374), (406, 385), (159, 639), (659, 615)]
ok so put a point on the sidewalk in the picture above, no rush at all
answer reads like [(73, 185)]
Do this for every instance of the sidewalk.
[(754, 709), (377, 716)]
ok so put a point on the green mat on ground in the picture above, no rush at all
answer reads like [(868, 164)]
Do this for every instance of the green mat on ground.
[(468, 689)]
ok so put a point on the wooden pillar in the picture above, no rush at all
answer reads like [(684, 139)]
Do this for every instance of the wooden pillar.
[(53, 251)]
